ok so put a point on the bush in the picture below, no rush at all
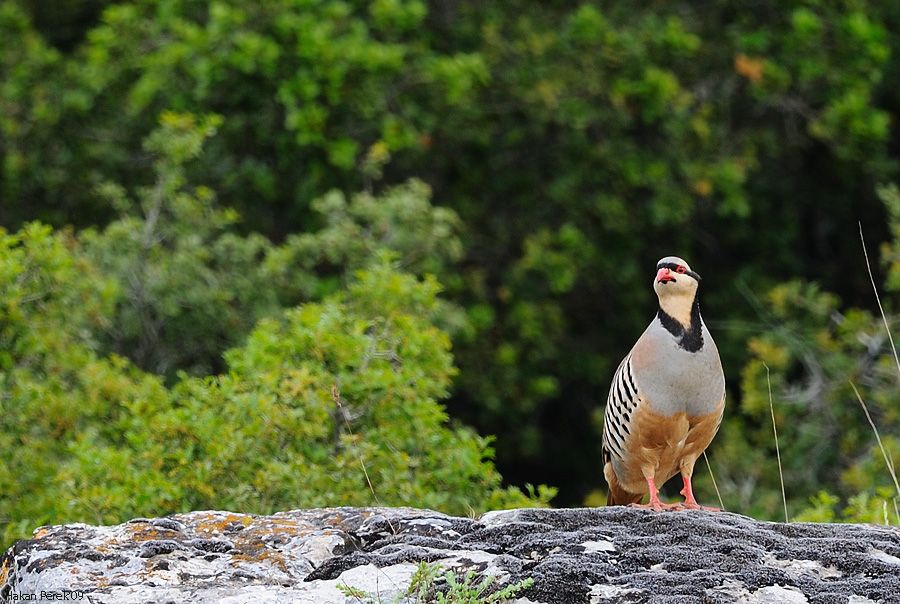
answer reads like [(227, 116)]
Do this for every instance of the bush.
[(333, 402), (330, 403)]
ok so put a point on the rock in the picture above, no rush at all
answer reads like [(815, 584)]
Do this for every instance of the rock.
[(586, 556)]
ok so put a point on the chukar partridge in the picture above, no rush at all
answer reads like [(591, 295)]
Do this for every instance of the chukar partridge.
[(667, 396)]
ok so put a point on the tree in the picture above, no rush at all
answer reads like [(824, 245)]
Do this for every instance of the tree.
[(573, 144), (192, 285)]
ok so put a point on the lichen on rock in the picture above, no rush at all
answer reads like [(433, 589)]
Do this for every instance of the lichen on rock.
[(575, 555)]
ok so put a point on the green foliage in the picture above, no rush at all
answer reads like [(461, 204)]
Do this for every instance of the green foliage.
[(331, 403), (890, 195), (53, 387), (170, 283), (570, 146), (321, 87), (813, 351), (429, 585), (811, 355), (424, 240), (269, 435), (192, 285), (865, 507), (647, 131)]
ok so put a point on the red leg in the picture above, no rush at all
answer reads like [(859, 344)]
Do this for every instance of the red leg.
[(689, 501), (688, 492), (654, 503)]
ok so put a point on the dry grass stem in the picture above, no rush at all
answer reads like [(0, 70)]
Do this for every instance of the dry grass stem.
[(777, 448), (878, 299), (336, 397), (715, 486), (887, 458)]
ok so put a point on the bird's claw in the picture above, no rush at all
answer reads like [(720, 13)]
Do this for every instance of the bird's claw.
[(696, 506), (656, 506), (681, 506)]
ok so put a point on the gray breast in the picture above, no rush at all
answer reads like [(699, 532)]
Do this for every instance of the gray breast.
[(672, 379)]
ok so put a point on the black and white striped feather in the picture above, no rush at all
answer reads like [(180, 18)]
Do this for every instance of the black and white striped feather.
[(621, 403)]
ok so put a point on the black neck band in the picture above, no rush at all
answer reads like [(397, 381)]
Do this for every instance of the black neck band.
[(690, 338)]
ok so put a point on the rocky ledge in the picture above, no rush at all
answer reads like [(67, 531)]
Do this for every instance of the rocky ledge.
[(573, 555)]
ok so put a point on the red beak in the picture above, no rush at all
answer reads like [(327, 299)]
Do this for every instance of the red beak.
[(664, 275)]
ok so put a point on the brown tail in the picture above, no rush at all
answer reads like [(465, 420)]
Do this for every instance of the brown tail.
[(616, 494), (620, 497)]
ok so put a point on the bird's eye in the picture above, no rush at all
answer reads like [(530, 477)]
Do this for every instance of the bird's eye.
[(680, 269)]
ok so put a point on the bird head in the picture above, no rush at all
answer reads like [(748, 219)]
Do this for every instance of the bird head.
[(675, 279)]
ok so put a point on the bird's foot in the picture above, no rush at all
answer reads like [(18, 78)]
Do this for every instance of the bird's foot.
[(686, 505), (656, 506), (690, 503)]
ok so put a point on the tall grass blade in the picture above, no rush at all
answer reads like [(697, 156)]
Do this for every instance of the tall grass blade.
[(878, 299), (887, 458), (777, 448), (336, 397), (715, 486)]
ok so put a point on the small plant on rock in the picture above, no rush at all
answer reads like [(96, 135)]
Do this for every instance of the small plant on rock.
[(431, 584)]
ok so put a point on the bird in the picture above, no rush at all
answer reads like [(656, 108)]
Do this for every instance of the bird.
[(667, 397)]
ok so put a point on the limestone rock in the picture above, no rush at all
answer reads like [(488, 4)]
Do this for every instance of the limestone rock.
[(600, 555)]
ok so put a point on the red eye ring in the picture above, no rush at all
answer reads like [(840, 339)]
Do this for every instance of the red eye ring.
[(680, 269)]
